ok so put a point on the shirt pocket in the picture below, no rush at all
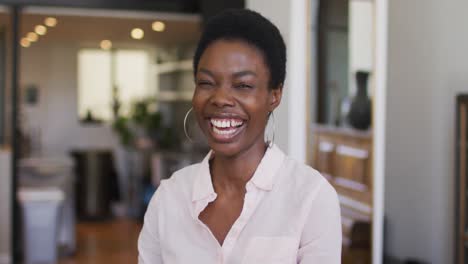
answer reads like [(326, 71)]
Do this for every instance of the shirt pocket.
[(271, 250)]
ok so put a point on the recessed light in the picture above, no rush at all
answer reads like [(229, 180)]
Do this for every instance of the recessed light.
[(50, 21), (40, 30), (137, 33), (24, 42), (158, 26), (106, 44), (32, 37)]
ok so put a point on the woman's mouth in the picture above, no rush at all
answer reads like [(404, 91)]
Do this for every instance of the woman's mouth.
[(224, 129)]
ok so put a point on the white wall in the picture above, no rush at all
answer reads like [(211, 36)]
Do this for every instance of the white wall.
[(291, 124), (5, 205), (361, 35), (53, 68), (361, 40), (427, 67)]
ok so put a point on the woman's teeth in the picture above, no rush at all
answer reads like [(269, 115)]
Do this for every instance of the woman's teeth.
[(226, 127), (224, 132), (225, 123)]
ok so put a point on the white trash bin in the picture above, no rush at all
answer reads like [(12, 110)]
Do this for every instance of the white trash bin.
[(41, 172), (40, 213)]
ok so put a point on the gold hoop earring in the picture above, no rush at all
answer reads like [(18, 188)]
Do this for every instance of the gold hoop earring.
[(185, 124)]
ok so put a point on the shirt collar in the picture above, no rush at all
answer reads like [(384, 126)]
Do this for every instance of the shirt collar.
[(263, 178)]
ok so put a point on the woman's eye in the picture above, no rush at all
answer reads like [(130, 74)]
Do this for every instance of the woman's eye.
[(204, 84), (243, 86)]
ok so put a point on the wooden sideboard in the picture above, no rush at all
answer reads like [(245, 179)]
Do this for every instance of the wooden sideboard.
[(344, 157)]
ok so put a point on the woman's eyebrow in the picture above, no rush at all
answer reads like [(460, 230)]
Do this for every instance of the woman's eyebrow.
[(243, 73), (235, 75), (205, 71)]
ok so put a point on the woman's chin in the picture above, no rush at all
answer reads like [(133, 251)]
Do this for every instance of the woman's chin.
[(225, 146)]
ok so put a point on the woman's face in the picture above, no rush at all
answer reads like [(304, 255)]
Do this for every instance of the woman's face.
[(232, 100)]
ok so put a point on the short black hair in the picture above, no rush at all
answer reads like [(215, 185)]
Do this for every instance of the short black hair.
[(251, 27)]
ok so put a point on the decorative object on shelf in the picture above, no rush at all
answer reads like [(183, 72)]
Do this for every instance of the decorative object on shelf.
[(359, 116)]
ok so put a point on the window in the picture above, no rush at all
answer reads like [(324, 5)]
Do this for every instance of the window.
[(99, 71)]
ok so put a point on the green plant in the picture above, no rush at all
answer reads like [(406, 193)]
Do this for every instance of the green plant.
[(121, 127), (141, 116)]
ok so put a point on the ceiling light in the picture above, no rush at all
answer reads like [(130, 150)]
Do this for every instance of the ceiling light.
[(137, 33), (50, 21), (32, 37), (158, 26), (25, 43), (106, 44), (40, 30)]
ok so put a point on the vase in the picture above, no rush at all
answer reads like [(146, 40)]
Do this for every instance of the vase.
[(359, 116)]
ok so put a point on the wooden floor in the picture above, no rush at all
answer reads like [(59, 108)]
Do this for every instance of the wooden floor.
[(116, 242), (106, 242)]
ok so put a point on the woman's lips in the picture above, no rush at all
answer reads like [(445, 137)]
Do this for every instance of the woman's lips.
[(225, 129)]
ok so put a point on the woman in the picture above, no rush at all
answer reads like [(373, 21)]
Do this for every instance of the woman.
[(246, 202)]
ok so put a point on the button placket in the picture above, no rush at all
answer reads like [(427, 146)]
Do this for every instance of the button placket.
[(199, 207), (251, 201), (220, 257)]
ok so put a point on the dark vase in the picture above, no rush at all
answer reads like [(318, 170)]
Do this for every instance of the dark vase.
[(359, 115)]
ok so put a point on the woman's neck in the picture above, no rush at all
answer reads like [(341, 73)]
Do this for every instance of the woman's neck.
[(230, 174)]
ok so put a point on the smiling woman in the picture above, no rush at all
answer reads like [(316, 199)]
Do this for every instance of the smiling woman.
[(232, 100), (246, 202)]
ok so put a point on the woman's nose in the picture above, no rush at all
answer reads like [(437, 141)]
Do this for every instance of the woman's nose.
[(222, 96)]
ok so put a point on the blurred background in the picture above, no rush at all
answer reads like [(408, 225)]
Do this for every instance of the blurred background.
[(93, 96)]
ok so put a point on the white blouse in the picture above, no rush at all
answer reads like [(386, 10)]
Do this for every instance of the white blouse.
[(290, 215)]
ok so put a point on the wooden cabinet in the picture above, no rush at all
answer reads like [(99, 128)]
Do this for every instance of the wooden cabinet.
[(461, 226), (344, 157)]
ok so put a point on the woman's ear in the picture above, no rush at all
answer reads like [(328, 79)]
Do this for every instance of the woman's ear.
[(275, 97)]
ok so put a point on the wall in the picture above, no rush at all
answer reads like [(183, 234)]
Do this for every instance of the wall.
[(291, 19), (5, 208), (361, 40), (53, 68), (427, 67)]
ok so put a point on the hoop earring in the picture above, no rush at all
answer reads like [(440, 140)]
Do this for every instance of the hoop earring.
[(185, 124), (272, 141)]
